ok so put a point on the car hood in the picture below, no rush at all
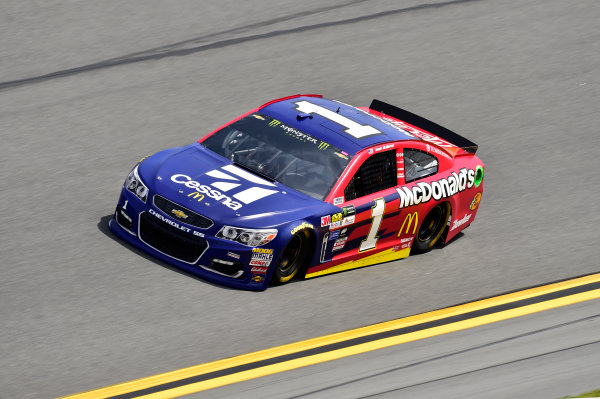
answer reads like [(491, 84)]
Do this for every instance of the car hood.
[(209, 184)]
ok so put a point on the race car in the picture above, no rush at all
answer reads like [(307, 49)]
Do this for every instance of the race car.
[(300, 187)]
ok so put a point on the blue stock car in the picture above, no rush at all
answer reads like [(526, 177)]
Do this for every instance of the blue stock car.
[(301, 186)]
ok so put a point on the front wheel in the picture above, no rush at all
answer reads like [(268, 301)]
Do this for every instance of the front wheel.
[(292, 258), (432, 227)]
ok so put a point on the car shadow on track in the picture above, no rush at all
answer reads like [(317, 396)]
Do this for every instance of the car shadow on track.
[(103, 227)]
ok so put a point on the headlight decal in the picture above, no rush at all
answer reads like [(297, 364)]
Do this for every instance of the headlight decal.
[(134, 184), (248, 237)]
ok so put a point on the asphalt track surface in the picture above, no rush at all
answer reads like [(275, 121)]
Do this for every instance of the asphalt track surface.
[(86, 89)]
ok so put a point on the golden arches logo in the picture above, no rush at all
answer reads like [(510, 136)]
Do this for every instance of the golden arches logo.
[(410, 217)]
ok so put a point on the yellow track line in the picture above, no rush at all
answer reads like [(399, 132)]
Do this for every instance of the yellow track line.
[(159, 379)]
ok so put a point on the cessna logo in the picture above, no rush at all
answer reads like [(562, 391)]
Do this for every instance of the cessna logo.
[(229, 181)]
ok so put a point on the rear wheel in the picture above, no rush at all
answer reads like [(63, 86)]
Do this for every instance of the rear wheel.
[(292, 258), (432, 227)]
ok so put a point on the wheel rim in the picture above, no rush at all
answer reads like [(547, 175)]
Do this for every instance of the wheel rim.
[(290, 257), (432, 224)]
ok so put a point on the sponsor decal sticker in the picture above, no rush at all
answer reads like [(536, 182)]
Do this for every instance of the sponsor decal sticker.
[(339, 244), (460, 222), (348, 220), (264, 263), (302, 226), (233, 255), (257, 278), (325, 220), (259, 270), (338, 200), (475, 201), (261, 257), (423, 192), (348, 210), (263, 250), (334, 234)]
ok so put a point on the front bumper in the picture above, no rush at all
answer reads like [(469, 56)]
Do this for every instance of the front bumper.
[(191, 248)]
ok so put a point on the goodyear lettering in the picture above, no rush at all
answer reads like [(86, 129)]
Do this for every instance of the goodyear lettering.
[(423, 192), (302, 226)]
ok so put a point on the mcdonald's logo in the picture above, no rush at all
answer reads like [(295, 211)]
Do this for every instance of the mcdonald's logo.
[(274, 123), (323, 146), (410, 217)]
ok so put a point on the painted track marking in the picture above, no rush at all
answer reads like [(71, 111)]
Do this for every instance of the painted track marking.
[(335, 346)]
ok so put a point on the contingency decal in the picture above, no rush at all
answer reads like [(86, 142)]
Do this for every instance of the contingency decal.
[(459, 222), (475, 201), (261, 257)]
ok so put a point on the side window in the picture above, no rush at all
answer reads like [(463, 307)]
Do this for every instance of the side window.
[(418, 164), (377, 173)]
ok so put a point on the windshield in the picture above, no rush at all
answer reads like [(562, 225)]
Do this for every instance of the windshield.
[(280, 152)]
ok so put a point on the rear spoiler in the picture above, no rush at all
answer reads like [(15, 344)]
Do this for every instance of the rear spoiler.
[(424, 124)]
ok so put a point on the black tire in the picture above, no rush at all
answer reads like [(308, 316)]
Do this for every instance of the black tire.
[(292, 258), (432, 228)]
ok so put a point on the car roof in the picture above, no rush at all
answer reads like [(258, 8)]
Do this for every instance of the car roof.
[(294, 111)]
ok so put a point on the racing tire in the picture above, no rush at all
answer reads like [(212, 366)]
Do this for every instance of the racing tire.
[(292, 258), (432, 228)]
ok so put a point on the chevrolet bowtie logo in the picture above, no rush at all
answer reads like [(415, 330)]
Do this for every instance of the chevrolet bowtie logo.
[(179, 214)]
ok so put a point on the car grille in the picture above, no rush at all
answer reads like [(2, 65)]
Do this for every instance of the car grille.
[(170, 240), (182, 214)]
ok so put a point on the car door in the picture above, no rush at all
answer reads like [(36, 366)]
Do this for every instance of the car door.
[(368, 203)]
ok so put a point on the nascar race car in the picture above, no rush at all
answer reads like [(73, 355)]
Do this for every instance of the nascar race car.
[(300, 187)]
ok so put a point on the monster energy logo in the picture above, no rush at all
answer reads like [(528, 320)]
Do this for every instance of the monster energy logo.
[(274, 123), (323, 146)]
